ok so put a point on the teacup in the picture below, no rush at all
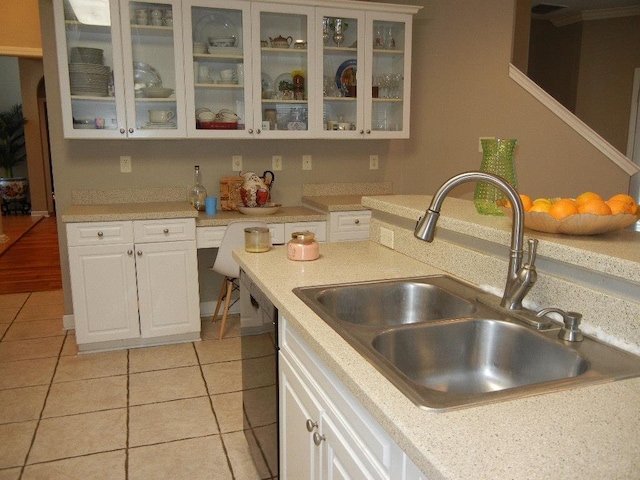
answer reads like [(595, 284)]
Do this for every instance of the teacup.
[(156, 21), (160, 116), (228, 76)]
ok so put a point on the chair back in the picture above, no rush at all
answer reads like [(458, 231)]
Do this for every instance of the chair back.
[(233, 238)]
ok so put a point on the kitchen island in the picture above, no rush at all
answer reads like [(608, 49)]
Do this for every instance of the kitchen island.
[(588, 432)]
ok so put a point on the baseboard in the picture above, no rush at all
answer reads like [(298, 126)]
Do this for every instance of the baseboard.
[(68, 322)]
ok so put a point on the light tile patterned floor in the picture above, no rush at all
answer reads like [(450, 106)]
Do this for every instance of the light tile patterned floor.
[(168, 412)]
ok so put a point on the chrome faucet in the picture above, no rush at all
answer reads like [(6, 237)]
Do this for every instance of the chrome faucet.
[(520, 278)]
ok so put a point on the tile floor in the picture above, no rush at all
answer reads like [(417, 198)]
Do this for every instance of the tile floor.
[(168, 412)]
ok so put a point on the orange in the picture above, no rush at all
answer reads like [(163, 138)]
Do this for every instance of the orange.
[(542, 200), (540, 207), (526, 202), (628, 200), (595, 206), (586, 197), (617, 206), (563, 208)]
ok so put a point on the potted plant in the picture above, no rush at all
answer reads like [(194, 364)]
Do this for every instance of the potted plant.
[(12, 152)]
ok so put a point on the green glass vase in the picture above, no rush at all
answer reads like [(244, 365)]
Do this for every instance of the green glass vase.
[(497, 158)]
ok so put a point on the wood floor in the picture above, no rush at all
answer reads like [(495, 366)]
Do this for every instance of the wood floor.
[(32, 264)]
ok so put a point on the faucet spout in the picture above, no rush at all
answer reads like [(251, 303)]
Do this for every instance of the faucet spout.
[(519, 281)]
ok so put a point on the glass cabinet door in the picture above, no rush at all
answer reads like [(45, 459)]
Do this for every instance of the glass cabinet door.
[(89, 61), (153, 68), (388, 46), (343, 90), (283, 77), (217, 40)]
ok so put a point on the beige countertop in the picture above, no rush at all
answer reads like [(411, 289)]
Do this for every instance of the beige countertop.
[(283, 215), (159, 210), (584, 433), (335, 203), (615, 253), (128, 211)]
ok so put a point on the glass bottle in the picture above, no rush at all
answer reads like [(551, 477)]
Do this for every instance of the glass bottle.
[(197, 193), (497, 158)]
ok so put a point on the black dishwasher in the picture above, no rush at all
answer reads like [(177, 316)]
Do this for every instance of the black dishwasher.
[(259, 317)]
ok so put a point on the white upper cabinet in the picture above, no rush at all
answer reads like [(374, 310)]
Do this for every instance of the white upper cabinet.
[(242, 69), (120, 67)]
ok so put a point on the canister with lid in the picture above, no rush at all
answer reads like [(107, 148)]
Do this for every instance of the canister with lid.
[(303, 246), (257, 239)]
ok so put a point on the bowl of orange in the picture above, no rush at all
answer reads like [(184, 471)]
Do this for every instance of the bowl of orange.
[(587, 214)]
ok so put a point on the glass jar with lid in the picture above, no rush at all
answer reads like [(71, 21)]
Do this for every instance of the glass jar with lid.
[(303, 246)]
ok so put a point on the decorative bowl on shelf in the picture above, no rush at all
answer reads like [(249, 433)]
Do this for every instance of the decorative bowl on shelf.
[(268, 208), (222, 41), (156, 92)]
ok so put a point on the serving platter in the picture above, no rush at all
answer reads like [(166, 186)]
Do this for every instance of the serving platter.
[(346, 73), (268, 208)]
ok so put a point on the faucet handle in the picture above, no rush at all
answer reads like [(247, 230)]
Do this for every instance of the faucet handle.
[(571, 330), (533, 248)]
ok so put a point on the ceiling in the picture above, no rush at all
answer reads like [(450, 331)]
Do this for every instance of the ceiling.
[(575, 6)]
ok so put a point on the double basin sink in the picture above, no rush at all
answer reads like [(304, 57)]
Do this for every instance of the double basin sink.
[(444, 349)]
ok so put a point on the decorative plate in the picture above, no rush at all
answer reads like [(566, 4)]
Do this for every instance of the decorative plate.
[(268, 208), (285, 77), (346, 74), (216, 25)]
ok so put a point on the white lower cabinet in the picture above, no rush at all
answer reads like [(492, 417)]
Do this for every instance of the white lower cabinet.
[(131, 288), (324, 432), (349, 226)]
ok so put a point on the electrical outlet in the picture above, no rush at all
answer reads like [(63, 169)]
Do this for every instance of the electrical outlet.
[(373, 162), (306, 162), (386, 237), (125, 164), (236, 163), (480, 142), (276, 163)]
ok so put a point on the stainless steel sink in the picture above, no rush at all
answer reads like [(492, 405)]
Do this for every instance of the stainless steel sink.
[(477, 356), (444, 349), (391, 303)]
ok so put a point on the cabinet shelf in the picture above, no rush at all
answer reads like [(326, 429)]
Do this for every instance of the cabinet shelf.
[(216, 56), (340, 99), (351, 50), (86, 98), (219, 85), (383, 51), (152, 30), (156, 100), (297, 51), (294, 102)]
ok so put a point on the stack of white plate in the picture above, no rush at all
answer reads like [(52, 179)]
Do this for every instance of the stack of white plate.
[(86, 55), (89, 79)]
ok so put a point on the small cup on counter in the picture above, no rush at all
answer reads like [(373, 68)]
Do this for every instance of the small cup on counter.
[(210, 205), (257, 239)]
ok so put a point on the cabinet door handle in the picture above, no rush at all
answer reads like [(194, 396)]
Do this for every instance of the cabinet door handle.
[(129, 252), (258, 131), (166, 231), (139, 253), (250, 130), (357, 222), (318, 439), (368, 132), (361, 132), (100, 234), (130, 130), (123, 131), (311, 425)]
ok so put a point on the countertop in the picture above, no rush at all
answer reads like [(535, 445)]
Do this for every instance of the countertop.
[(585, 433), (112, 212), (160, 210), (615, 253), (283, 215), (335, 203)]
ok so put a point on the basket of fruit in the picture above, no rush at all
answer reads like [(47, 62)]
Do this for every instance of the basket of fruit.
[(587, 214)]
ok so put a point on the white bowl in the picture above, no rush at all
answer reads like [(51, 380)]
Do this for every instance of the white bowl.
[(269, 208), (156, 92), (222, 41)]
